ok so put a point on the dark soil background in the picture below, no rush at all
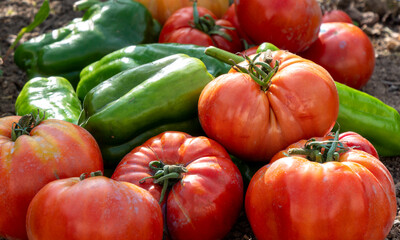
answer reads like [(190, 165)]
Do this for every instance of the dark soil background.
[(380, 19)]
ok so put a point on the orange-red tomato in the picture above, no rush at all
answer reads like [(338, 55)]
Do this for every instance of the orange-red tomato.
[(254, 124), (345, 51), (290, 25), (162, 9), (297, 199), (94, 208), (54, 149), (202, 205), (336, 16)]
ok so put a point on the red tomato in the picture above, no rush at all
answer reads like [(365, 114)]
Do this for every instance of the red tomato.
[(348, 139), (336, 16), (54, 149), (180, 28), (345, 51), (291, 25), (205, 203), (297, 199), (94, 208), (162, 9), (231, 16), (254, 124), (352, 139)]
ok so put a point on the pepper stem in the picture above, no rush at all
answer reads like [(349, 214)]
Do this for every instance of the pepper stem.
[(25, 125), (165, 175)]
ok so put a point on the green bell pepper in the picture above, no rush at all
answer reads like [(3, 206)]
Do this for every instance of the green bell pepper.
[(358, 112), (143, 98), (54, 97), (133, 56), (104, 28)]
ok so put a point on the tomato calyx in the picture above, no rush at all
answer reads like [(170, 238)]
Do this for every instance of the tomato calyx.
[(207, 24), (25, 125), (165, 175), (260, 71), (321, 151)]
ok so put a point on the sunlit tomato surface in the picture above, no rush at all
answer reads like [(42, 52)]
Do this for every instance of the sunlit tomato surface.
[(336, 16), (291, 25), (254, 124), (96, 208), (297, 199), (345, 51), (348, 139), (180, 28), (162, 9), (205, 203), (54, 149)]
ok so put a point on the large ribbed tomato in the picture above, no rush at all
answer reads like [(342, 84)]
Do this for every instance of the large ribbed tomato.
[(290, 25), (162, 9), (254, 122), (345, 51), (97, 208), (207, 188), (348, 197), (53, 149)]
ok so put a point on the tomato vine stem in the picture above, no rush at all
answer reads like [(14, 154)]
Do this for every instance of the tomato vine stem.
[(165, 175), (25, 125)]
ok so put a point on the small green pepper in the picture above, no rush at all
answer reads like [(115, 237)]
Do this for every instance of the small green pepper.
[(133, 56), (104, 28), (54, 97)]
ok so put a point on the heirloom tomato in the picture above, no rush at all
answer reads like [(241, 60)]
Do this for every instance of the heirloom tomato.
[(94, 208), (323, 194), (198, 25), (291, 25), (162, 9), (254, 120), (336, 16), (33, 153), (345, 51), (348, 139), (207, 189)]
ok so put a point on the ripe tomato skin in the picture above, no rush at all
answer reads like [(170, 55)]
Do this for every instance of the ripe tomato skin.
[(301, 102), (178, 29), (231, 16), (352, 139), (94, 208), (290, 25), (54, 149), (345, 51), (206, 202), (336, 16), (293, 198)]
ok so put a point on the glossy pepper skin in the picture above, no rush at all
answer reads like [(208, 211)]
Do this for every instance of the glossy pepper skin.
[(53, 96), (104, 28), (370, 117), (133, 56), (147, 97)]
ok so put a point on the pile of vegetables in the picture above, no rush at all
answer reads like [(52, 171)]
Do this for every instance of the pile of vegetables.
[(137, 123)]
